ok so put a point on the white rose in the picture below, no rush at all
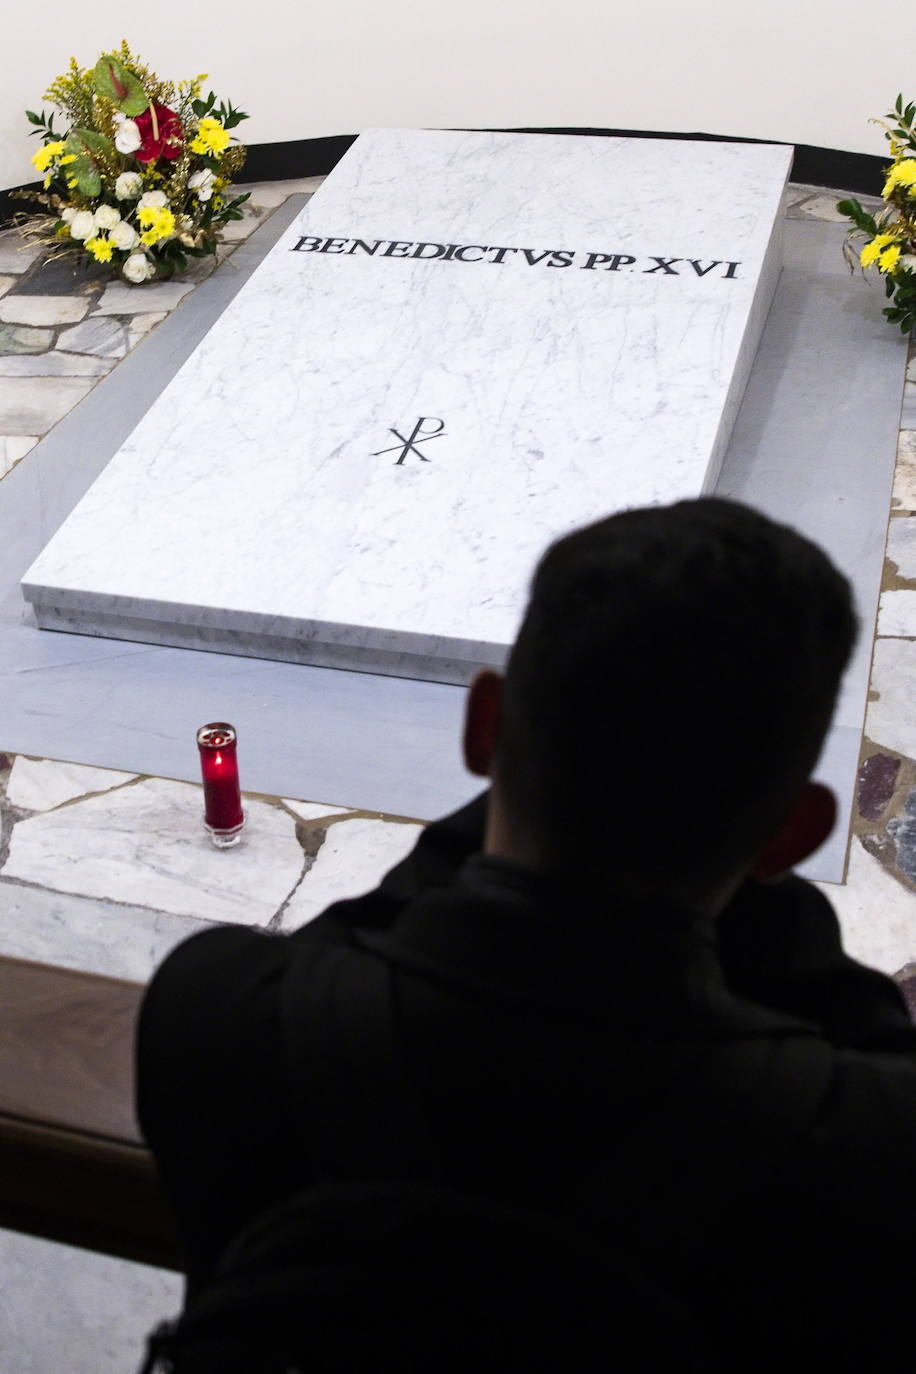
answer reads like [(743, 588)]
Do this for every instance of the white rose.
[(128, 185), (138, 268), (82, 225), (907, 262), (155, 199), (124, 236), (202, 183), (127, 136), (68, 215), (106, 217)]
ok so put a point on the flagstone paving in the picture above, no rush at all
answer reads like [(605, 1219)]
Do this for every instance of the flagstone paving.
[(62, 327), (88, 850)]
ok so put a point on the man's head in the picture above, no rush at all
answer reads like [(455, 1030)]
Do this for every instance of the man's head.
[(665, 703)]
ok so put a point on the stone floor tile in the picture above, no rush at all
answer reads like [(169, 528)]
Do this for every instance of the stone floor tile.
[(140, 325), (264, 195), (12, 448), (294, 186), (876, 912), (904, 497), (902, 831), (146, 845), (315, 811), (820, 207), (16, 253), (102, 337), (43, 310), (64, 276), (54, 364), (901, 547), (353, 859), (199, 269), (238, 229), (14, 339), (897, 605), (34, 405), (897, 615), (41, 784), (6, 283), (109, 938), (890, 719), (71, 1309), (876, 783), (120, 299)]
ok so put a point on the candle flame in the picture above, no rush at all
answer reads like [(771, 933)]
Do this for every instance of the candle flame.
[(218, 760)]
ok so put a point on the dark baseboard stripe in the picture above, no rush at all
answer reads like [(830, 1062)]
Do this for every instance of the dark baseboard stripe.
[(306, 157)]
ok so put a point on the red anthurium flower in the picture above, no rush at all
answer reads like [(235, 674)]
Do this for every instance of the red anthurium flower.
[(161, 133)]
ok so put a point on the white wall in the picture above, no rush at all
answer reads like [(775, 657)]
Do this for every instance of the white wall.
[(805, 71)]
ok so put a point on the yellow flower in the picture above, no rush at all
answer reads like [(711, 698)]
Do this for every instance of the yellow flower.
[(903, 173), (872, 251), (70, 157), (46, 155), (101, 248), (211, 138), (888, 259), (158, 222)]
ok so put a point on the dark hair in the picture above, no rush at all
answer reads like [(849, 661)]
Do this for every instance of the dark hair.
[(669, 692)]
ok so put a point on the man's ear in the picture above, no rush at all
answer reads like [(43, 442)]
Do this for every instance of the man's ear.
[(481, 721), (809, 821)]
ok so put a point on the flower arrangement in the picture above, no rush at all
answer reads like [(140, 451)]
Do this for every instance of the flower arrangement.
[(140, 179), (891, 233)]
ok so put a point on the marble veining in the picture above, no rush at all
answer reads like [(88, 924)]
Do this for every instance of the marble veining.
[(877, 914), (354, 858), (146, 845), (585, 353), (42, 784)]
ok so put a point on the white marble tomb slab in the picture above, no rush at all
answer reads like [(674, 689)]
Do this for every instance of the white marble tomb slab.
[(570, 321)]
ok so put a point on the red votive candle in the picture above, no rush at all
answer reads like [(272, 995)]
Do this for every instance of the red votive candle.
[(223, 814)]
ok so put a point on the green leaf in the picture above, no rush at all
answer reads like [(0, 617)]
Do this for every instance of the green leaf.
[(90, 150), (119, 85), (33, 118), (859, 214)]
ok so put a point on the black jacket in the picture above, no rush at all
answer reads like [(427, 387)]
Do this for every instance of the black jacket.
[(733, 1099)]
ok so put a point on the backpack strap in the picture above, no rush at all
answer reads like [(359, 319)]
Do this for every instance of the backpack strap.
[(351, 1099)]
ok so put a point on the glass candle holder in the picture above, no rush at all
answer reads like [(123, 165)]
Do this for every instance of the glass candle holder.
[(223, 815)]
